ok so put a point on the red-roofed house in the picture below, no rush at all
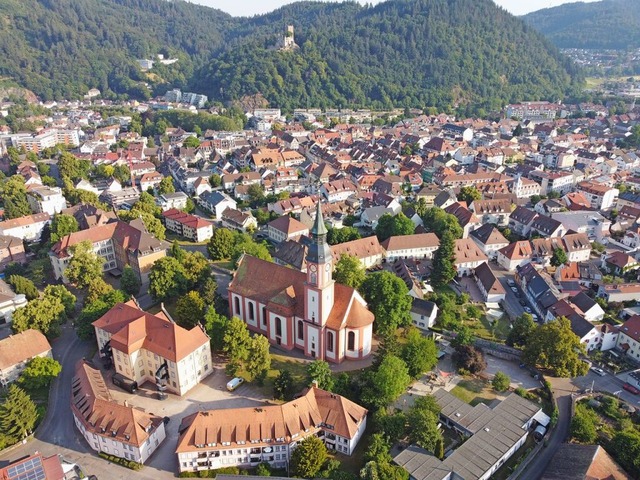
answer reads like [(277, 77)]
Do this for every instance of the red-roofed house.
[(286, 228), (195, 228)]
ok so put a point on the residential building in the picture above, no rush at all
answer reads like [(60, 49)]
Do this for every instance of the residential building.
[(520, 221), (35, 466), (195, 228), (592, 223), (286, 228), (514, 255), (176, 200), (468, 257), (573, 461), (338, 190), (488, 284), (466, 218), (146, 347), (11, 251), (118, 243), (417, 246), (588, 307), (308, 311), (119, 199), (495, 211), (623, 292), (589, 334), (533, 111), (559, 182), (423, 313), (237, 220), (150, 180), (547, 227), (108, 426), (489, 239), (216, 203), (577, 246), (28, 228), (629, 337), (368, 250), (246, 437), (539, 289), (46, 200), (494, 435), (619, 263), (17, 350), (600, 197)]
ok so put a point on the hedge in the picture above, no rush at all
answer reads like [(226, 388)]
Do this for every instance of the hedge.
[(121, 461), (213, 473)]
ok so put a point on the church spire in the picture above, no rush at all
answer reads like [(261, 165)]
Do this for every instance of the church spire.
[(319, 227), (319, 251)]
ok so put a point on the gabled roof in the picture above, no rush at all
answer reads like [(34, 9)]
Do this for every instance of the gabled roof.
[(288, 225), (360, 248), (517, 250), (583, 462), (21, 347), (488, 234), (466, 250), (488, 279), (404, 242)]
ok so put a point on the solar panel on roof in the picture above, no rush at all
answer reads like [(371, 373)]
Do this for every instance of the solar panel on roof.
[(31, 469)]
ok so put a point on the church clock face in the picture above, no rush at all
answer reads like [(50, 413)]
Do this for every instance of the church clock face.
[(327, 268), (312, 268)]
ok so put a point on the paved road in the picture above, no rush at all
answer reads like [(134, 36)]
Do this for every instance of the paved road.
[(511, 302)]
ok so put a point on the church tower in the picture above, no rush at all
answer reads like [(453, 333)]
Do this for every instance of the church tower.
[(319, 287)]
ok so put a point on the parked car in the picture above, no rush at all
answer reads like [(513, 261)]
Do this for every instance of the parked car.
[(598, 371), (514, 289), (630, 388), (125, 383), (527, 309), (523, 303), (234, 383), (511, 283)]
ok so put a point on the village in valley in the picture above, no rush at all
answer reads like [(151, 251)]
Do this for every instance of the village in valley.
[(336, 294)]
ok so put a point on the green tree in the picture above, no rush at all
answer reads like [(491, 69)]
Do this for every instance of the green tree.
[(583, 425), (84, 266), (554, 346), (215, 180), (215, 325), (501, 382), (626, 444), (521, 330), (220, 244), (15, 198), (190, 309), (444, 269), (208, 290), (391, 426), (308, 457), (62, 225), (42, 314), (263, 469), (388, 382), (378, 450), (39, 373), (256, 195), (167, 279), (438, 221), (349, 271), (67, 298), (390, 226), (423, 428), (320, 371), (336, 236), (378, 471), (469, 194), (246, 245), (283, 385), (24, 286), (122, 174), (236, 341), (96, 289), (196, 268), (191, 142), (18, 414), (470, 358), (129, 282), (389, 300), (152, 224), (559, 257), (258, 359), (166, 186), (419, 353)]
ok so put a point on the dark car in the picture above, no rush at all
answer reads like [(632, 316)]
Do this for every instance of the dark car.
[(523, 303), (630, 388), (125, 383)]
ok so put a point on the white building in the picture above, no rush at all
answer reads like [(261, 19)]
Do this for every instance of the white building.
[(28, 228), (46, 200), (246, 437), (108, 426), (216, 202), (172, 200), (418, 246), (161, 352), (17, 350), (423, 313)]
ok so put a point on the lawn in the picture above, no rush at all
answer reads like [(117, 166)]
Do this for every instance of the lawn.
[(226, 264), (279, 362), (474, 391), (483, 328), (173, 237)]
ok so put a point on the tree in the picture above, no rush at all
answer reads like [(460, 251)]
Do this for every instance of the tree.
[(190, 310), (259, 359), (444, 269), (129, 282), (220, 244), (122, 174), (438, 221), (469, 194), (191, 142), (378, 450), (308, 457), (501, 382), (152, 224), (190, 206), (439, 450), (349, 271), (517, 131), (391, 426), (423, 428), (263, 469), (84, 266), (246, 245), (215, 325), (388, 382), (626, 444), (196, 269), (15, 198), (256, 194), (559, 257), (208, 290), (62, 225), (67, 298), (97, 289), (320, 371), (389, 300), (167, 279), (583, 425), (521, 330), (389, 226), (24, 286), (215, 180), (42, 314), (345, 234), (379, 471), (39, 373), (236, 341), (166, 186), (554, 346), (470, 358), (283, 385), (18, 414), (419, 353)]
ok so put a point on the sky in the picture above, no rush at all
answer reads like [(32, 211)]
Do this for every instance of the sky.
[(251, 7)]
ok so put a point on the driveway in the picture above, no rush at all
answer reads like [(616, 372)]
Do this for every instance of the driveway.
[(511, 303), (520, 377)]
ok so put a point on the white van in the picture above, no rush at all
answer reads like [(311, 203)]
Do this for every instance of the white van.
[(234, 383)]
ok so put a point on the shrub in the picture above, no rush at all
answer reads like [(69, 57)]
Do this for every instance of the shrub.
[(501, 382), (121, 461)]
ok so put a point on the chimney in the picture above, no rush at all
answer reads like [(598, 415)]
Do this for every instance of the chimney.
[(314, 383)]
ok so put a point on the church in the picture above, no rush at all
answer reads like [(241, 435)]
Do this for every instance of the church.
[(305, 311)]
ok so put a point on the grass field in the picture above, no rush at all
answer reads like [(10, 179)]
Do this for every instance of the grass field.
[(595, 82), (482, 328), (474, 391)]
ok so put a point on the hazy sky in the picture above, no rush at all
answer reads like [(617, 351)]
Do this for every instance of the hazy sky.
[(251, 7)]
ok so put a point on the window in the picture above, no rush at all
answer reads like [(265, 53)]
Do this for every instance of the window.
[(351, 341), (278, 326), (330, 342), (251, 312), (236, 306), (264, 316), (300, 330)]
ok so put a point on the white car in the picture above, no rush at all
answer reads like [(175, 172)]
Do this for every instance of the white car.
[(514, 289), (598, 371), (527, 309), (511, 283)]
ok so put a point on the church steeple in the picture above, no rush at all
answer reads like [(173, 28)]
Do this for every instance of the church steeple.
[(319, 251)]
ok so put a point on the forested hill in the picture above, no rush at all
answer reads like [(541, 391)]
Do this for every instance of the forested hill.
[(399, 53), (608, 24)]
